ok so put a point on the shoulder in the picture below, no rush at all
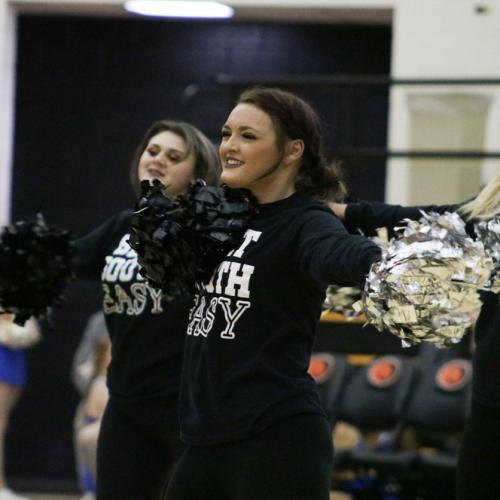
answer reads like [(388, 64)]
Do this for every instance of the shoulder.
[(317, 214), (123, 217), (118, 223), (106, 233), (313, 220)]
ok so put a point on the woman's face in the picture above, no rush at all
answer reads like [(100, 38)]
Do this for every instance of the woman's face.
[(249, 150), (164, 158)]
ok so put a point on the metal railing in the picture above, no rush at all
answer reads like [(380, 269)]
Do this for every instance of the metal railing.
[(338, 86)]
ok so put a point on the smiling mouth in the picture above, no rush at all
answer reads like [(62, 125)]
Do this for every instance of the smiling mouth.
[(233, 163), (155, 173)]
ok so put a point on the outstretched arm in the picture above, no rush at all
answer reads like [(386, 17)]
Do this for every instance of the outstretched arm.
[(368, 216), (331, 255)]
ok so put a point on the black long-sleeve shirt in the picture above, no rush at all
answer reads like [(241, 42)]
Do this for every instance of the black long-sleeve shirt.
[(370, 216), (251, 331), (147, 333), (486, 379)]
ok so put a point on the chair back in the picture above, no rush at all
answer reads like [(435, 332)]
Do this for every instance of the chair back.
[(330, 371), (376, 394), (441, 400)]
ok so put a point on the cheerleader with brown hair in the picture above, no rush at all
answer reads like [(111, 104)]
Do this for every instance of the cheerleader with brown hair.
[(250, 415)]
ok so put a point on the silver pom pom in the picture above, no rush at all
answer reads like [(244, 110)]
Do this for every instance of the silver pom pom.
[(340, 299), (424, 289), (489, 233)]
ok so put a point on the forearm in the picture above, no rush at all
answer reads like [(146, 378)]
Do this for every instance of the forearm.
[(369, 216)]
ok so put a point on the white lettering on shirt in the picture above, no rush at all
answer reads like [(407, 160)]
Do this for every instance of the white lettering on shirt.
[(229, 283)]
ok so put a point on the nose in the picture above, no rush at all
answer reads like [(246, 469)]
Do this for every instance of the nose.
[(229, 145), (161, 161)]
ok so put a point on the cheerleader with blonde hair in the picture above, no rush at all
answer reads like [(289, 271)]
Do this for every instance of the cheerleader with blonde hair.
[(479, 456)]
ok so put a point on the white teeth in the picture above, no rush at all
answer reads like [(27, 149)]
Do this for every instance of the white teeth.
[(233, 163)]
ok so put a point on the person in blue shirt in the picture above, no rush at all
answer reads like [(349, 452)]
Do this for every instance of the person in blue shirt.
[(14, 340)]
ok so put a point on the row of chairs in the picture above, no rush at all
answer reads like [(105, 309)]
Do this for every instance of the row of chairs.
[(427, 397)]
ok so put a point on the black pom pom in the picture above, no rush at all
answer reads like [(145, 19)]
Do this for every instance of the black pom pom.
[(180, 241), (216, 221), (35, 268), (165, 257)]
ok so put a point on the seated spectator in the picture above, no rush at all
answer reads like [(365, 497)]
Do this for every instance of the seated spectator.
[(89, 377)]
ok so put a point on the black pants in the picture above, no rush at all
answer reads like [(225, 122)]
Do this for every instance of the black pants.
[(292, 460), (137, 448), (479, 457)]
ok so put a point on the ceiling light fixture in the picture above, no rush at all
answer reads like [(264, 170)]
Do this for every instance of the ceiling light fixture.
[(167, 8)]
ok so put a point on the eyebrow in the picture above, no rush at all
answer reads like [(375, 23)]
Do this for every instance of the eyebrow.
[(244, 127), (175, 150)]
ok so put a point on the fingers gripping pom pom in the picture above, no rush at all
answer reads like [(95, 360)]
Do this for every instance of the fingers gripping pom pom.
[(35, 268), (180, 241), (425, 287)]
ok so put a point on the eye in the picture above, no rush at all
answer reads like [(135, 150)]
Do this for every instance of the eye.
[(225, 134), (248, 135), (174, 158)]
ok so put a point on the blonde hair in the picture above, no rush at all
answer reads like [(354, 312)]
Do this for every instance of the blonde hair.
[(486, 204)]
